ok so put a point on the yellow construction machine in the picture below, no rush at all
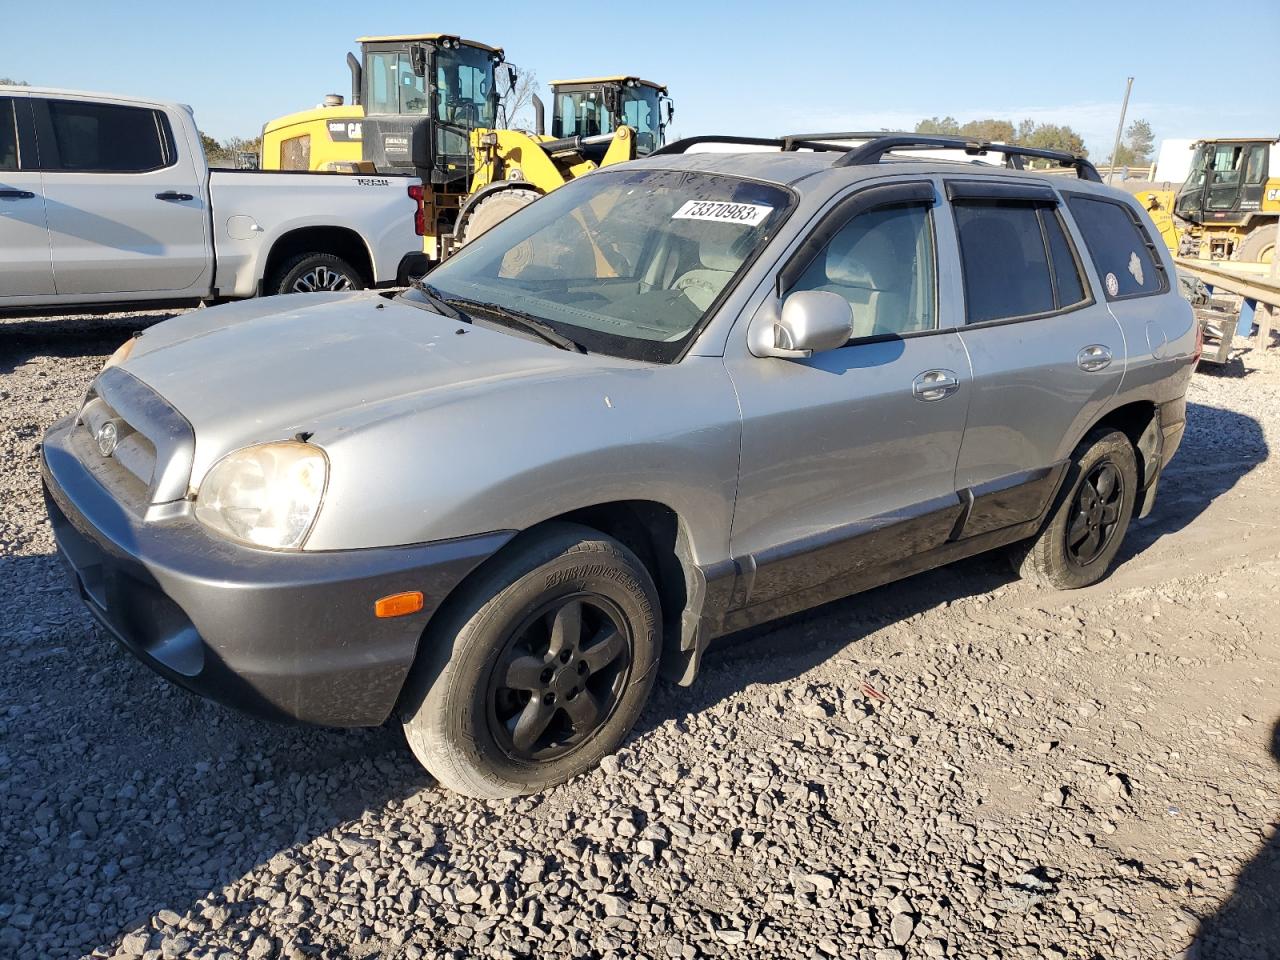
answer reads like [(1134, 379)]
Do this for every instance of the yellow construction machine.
[(433, 104), (1228, 206)]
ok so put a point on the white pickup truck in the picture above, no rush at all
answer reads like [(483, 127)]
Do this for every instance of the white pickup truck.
[(109, 199)]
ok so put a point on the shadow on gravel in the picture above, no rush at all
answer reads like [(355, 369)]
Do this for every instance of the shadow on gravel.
[(22, 338), (122, 795), (1219, 448), (1248, 923)]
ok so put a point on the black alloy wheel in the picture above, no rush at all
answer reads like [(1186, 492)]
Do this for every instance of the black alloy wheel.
[(559, 677), (1095, 514)]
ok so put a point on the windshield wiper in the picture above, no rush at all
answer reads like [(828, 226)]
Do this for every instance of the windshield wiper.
[(525, 321), (437, 301)]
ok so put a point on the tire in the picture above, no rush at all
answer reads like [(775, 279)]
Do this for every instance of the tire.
[(309, 272), (1086, 505), (1260, 245), (515, 675), (493, 209)]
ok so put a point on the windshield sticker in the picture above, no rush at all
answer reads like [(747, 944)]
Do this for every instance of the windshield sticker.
[(746, 214), (1135, 267), (1113, 284)]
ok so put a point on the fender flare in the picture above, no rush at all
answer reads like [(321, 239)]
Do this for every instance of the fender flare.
[(488, 190)]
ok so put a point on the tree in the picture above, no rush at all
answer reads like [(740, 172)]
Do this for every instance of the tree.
[(990, 131), (518, 104), (209, 145), (228, 152), (1137, 146), (947, 126), (10, 82)]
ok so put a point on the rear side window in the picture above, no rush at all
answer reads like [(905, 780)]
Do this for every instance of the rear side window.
[(1121, 249), (1017, 260), (109, 138), (8, 136)]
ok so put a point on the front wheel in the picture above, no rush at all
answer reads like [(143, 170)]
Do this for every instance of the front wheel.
[(540, 668), (1084, 531), (312, 272)]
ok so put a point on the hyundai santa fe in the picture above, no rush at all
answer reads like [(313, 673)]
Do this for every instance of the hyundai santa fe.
[(668, 401)]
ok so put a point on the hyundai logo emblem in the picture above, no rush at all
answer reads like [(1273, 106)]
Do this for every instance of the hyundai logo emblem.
[(108, 438)]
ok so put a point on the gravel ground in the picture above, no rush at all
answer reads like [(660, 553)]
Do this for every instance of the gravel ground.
[(960, 765)]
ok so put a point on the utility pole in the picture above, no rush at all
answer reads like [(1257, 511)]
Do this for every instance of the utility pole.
[(1115, 151)]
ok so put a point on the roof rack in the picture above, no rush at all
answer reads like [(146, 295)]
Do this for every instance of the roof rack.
[(874, 150), (879, 142)]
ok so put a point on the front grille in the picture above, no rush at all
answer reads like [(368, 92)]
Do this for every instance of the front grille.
[(151, 459)]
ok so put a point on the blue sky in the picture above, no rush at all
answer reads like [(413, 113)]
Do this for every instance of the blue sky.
[(747, 67)]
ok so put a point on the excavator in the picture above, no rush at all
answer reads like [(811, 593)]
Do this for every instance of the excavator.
[(1228, 206), (434, 105)]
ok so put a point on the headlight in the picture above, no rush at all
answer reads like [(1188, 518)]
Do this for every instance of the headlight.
[(268, 495), (122, 352)]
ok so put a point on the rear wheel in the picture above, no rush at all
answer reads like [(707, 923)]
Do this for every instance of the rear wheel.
[(311, 272), (495, 208), (1084, 532), (1259, 246), (541, 668)]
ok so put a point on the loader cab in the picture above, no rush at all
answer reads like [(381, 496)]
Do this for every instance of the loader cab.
[(422, 96), (599, 105), (1227, 180)]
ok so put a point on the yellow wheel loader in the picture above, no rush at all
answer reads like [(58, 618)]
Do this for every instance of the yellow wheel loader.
[(1229, 204), (433, 104)]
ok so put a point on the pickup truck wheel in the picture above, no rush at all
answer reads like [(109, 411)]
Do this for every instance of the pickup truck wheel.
[(1084, 531), (309, 272), (541, 668)]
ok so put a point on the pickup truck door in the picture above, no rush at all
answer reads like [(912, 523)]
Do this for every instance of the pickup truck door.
[(848, 457), (126, 204), (26, 269)]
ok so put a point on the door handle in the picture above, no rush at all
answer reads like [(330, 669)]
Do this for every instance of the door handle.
[(935, 385), (1093, 358), (17, 195), (173, 195)]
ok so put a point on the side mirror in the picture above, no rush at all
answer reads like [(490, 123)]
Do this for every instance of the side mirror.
[(418, 59), (671, 109), (811, 321), (509, 72)]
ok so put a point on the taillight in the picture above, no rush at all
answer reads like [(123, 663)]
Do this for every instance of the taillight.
[(418, 195)]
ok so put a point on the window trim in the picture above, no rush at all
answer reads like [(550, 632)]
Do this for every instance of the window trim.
[(1036, 204), (1143, 234), (50, 157)]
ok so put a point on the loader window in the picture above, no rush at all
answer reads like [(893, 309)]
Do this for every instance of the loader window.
[(581, 114), (640, 112), (626, 263), (393, 86), (464, 84)]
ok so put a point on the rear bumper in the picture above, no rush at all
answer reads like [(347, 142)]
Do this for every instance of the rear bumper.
[(287, 636)]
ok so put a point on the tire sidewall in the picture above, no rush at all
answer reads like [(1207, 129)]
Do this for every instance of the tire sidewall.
[(456, 708), (1114, 447)]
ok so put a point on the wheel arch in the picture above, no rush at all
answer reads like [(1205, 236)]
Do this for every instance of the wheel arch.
[(1139, 420), (340, 241)]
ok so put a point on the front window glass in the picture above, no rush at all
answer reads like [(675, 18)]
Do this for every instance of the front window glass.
[(628, 263), (640, 112), (882, 263), (108, 137), (464, 80), (581, 114)]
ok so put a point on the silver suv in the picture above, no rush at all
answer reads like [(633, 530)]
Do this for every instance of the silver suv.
[(670, 400)]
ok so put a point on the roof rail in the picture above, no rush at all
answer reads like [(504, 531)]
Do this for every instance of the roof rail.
[(872, 151), (782, 143)]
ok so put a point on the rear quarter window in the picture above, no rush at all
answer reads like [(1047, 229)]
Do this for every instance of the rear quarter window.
[(1120, 247)]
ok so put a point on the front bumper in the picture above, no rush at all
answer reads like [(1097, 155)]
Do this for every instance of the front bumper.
[(288, 636)]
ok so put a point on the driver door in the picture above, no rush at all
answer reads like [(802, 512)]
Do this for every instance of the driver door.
[(849, 456)]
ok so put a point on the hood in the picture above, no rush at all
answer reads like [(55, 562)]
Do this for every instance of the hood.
[(265, 370)]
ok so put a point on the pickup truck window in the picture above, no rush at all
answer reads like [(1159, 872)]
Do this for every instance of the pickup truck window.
[(627, 263), (108, 138), (8, 136)]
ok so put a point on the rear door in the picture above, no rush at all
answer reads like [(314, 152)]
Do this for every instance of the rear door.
[(1046, 353), (848, 457), (26, 268), (125, 204)]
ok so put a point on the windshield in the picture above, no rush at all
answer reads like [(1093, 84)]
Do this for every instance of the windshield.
[(464, 82), (581, 114), (627, 263)]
